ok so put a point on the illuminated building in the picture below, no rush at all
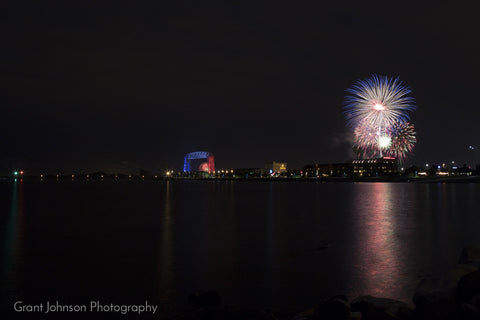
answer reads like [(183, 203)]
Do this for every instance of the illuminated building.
[(327, 170), (374, 167), (208, 166)]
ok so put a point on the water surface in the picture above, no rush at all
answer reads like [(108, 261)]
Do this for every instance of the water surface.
[(280, 245)]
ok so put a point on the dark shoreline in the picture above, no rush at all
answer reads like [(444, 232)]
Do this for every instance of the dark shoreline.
[(395, 179)]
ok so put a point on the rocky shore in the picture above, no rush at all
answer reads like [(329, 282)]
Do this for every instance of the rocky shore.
[(455, 295)]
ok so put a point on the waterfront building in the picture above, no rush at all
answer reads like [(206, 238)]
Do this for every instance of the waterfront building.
[(374, 167), (276, 167), (356, 168)]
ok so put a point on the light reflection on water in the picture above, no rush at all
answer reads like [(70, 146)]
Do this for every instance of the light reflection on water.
[(14, 242), (377, 255), (166, 254)]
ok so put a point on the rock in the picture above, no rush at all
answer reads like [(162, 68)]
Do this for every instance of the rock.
[(323, 246), (252, 313), (471, 309), (230, 313), (469, 285), (284, 315), (470, 255), (438, 298), (373, 308), (336, 307), (405, 312), (186, 316), (433, 289), (209, 298), (458, 272), (435, 298), (306, 315)]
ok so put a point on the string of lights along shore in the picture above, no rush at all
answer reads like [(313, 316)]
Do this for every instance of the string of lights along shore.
[(378, 110)]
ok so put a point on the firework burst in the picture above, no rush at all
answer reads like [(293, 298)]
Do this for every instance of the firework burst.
[(379, 101), (403, 140), (365, 140), (378, 110)]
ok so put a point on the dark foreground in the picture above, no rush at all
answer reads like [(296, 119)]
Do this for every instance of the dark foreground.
[(455, 295)]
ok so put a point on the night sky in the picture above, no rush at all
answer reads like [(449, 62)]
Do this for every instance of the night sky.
[(119, 86)]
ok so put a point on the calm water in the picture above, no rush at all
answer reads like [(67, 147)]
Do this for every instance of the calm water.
[(282, 245)]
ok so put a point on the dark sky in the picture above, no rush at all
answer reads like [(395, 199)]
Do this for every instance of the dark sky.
[(127, 85)]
